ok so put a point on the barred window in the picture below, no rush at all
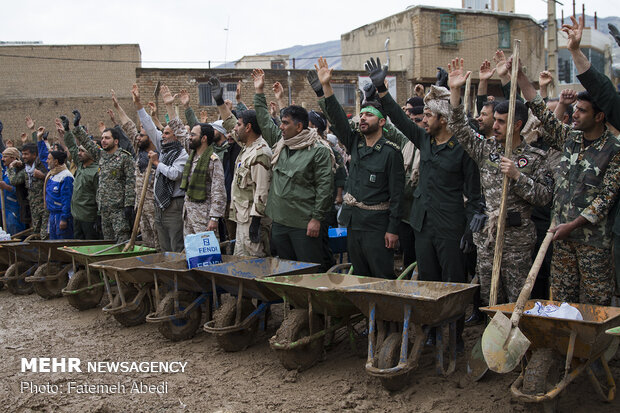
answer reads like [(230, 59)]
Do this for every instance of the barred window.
[(449, 35), (206, 99), (345, 93), (503, 31)]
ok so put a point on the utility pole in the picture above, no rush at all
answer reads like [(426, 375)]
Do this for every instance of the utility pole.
[(552, 42)]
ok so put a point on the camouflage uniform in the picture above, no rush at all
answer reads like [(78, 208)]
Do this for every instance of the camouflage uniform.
[(147, 219), (116, 189), (249, 191), (581, 266), (38, 211), (533, 187)]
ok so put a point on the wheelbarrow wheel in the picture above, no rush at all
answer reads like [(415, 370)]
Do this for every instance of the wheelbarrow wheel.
[(226, 315), (21, 286), (85, 299), (388, 357), (294, 327), (180, 329), (542, 374), (136, 316), (49, 288)]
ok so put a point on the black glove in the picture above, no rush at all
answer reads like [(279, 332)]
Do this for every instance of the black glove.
[(129, 215), (467, 242), (370, 93), (377, 73), (255, 230), (76, 117), (216, 90), (442, 77), (44, 137), (65, 122), (477, 222), (315, 83), (615, 33)]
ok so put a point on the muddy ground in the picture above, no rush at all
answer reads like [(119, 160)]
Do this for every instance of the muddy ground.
[(252, 380)]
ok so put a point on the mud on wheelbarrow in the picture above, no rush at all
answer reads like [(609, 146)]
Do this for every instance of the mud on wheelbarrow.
[(23, 259), (54, 265), (179, 312), (397, 309), (237, 320), (320, 309), (561, 349), (132, 300), (85, 288)]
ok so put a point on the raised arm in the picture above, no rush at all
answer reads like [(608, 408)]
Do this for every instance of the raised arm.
[(271, 133), (240, 105), (145, 120), (190, 115), (90, 146), (484, 74), (544, 80), (69, 141)]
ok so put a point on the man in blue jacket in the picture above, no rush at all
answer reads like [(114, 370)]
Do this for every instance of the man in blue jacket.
[(58, 193)]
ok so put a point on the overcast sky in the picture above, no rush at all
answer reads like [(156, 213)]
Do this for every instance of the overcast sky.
[(188, 33)]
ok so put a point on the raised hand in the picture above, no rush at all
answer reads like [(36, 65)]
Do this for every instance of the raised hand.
[(166, 95), (238, 92), (115, 100), (111, 115), (203, 116), (40, 132), (419, 90), (315, 83), (184, 97), (65, 122), (259, 80), (217, 92), (574, 32), (376, 72), (456, 73), (135, 94), (29, 122), (485, 72), (101, 125), (544, 78), (59, 127), (278, 90), (273, 109), (76, 117), (153, 109), (323, 71), (500, 63), (568, 97), (24, 138)]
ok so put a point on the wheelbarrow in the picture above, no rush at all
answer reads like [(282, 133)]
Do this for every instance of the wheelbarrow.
[(237, 320), (397, 309), (131, 302), (561, 349), (179, 313), (54, 265), (23, 259), (320, 309), (85, 288)]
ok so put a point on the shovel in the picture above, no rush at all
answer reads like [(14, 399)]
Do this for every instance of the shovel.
[(503, 344), (136, 221)]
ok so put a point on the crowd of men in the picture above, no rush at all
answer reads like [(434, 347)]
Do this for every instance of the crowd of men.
[(424, 178)]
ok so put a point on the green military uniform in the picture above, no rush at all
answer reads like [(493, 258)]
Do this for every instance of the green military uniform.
[(116, 189), (35, 186), (439, 215), (604, 94), (301, 189), (581, 266), (374, 190), (84, 199)]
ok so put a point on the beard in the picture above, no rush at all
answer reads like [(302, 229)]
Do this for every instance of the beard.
[(194, 144), (370, 129), (143, 144)]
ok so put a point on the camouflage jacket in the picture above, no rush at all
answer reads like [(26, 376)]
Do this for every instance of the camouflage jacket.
[(251, 181), (590, 178), (117, 177), (132, 132), (34, 186), (534, 187)]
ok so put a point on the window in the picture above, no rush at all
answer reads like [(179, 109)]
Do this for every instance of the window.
[(278, 64), (450, 36), (345, 93), (204, 93), (503, 31)]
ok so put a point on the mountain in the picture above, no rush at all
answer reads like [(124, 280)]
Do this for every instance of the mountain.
[(306, 56)]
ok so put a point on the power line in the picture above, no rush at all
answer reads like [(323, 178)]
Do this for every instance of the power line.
[(74, 59)]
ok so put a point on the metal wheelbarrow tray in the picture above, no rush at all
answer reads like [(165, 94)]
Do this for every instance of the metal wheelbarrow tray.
[(85, 289), (179, 312), (413, 306), (52, 274), (300, 341), (237, 321), (580, 342), (134, 279), (23, 260)]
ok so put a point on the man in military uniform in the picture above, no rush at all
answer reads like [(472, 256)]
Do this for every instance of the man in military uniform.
[(581, 266), (32, 173), (530, 185), (116, 192), (371, 209), (301, 191), (447, 175)]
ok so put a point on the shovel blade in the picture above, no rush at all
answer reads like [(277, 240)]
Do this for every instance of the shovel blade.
[(502, 345), (477, 366)]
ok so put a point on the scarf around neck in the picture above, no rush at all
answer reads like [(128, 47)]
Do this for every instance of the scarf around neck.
[(196, 185), (164, 187)]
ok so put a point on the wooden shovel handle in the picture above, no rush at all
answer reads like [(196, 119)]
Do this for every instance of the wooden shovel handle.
[(136, 222)]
